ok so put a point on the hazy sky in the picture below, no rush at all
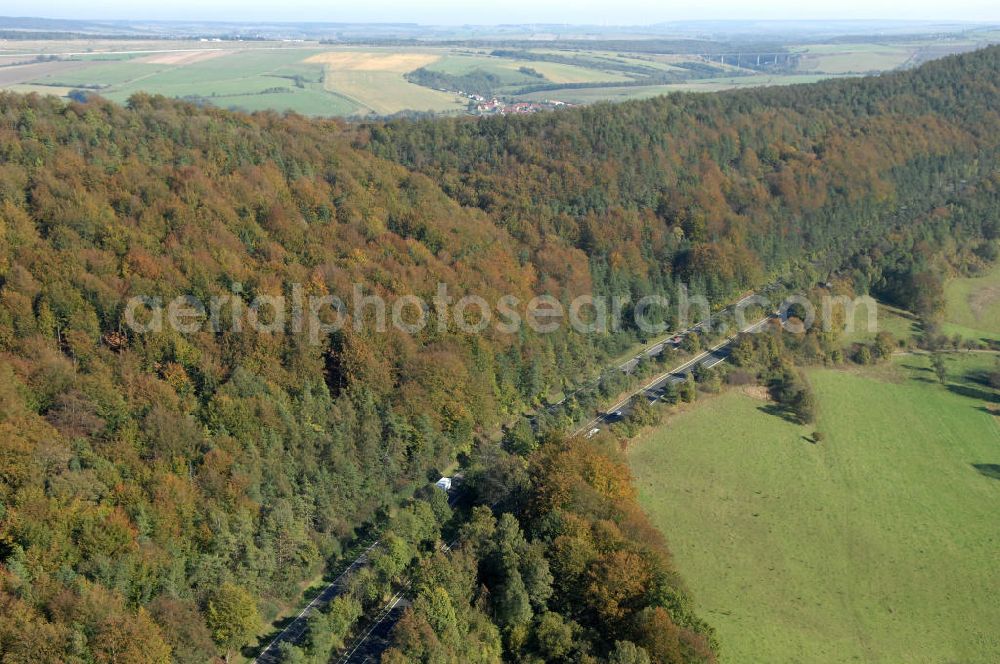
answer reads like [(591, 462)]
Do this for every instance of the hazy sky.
[(611, 12)]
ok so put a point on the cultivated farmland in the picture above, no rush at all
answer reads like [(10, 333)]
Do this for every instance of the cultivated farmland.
[(374, 81), (329, 79)]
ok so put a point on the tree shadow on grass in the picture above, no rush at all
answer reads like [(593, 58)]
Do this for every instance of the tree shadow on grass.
[(980, 377), (973, 392), (991, 470), (778, 411)]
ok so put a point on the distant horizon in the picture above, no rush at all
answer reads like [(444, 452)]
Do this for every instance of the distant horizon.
[(624, 13), (654, 24)]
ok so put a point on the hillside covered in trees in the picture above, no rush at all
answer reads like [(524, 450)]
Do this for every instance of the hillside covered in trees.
[(721, 191), (158, 489)]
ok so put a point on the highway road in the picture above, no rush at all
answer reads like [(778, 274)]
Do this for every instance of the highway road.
[(296, 629), (378, 634), (660, 345), (368, 646), (654, 389)]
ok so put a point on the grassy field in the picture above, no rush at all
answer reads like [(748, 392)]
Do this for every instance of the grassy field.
[(461, 64), (621, 93), (506, 69), (848, 58), (24, 73), (307, 102), (972, 310), (973, 305), (901, 324), (103, 73), (557, 72), (877, 545), (385, 92)]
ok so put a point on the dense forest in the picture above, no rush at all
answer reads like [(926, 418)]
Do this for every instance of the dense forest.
[(160, 492)]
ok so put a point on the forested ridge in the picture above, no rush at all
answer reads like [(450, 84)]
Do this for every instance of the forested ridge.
[(159, 491), (718, 190)]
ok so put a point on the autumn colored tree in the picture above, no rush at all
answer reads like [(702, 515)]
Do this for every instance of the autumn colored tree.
[(137, 465), (127, 639), (231, 615)]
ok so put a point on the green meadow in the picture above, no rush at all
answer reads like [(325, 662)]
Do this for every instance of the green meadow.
[(855, 58), (879, 544), (715, 84), (898, 322), (507, 70), (973, 305)]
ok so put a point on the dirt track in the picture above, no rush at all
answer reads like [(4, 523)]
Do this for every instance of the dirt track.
[(184, 57), (356, 61)]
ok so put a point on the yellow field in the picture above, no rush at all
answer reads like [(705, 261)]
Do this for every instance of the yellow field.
[(387, 92), (375, 81), (399, 63)]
